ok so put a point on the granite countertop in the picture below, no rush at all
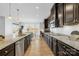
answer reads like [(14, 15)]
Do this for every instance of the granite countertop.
[(10, 39), (65, 39)]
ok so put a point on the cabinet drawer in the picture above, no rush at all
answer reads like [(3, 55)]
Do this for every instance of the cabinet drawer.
[(7, 50)]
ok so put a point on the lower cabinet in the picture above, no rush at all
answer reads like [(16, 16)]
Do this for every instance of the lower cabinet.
[(67, 50), (55, 47), (22, 45), (18, 48), (60, 48), (27, 42), (52, 43), (8, 51)]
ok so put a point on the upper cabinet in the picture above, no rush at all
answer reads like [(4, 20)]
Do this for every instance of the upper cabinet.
[(69, 14), (77, 13), (61, 14), (52, 16), (46, 25), (65, 14)]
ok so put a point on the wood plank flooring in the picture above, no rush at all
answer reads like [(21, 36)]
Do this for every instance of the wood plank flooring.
[(38, 47)]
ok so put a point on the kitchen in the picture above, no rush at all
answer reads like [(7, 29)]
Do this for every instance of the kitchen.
[(53, 27)]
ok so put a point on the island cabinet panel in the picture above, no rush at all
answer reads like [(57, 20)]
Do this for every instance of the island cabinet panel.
[(8, 51), (27, 42), (19, 47)]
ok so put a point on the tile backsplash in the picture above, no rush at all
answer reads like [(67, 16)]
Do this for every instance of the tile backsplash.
[(65, 29)]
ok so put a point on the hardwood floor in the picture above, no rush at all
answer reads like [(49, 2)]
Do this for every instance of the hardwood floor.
[(38, 47)]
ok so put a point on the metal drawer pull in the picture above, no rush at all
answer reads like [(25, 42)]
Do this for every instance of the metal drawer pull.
[(6, 51)]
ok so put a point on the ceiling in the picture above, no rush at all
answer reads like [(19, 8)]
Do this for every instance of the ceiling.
[(28, 12)]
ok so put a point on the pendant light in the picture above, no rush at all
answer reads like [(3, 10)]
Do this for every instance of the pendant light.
[(9, 17), (17, 14)]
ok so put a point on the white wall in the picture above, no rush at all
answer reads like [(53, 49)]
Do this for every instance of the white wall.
[(42, 26), (2, 25), (8, 27)]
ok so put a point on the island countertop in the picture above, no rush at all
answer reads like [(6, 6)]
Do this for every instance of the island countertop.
[(65, 39), (10, 39)]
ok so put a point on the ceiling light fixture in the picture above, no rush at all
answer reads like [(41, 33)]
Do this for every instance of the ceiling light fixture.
[(9, 17), (17, 14), (37, 7)]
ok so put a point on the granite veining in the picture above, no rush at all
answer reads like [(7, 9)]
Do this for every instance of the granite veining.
[(9, 40)]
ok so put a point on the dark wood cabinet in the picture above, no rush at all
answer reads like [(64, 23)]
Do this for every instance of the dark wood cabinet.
[(69, 13), (55, 47), (64, 14), (52, 16), (61, 14), (51, 42), (64, 49), (76, 11), (60, 48), (25, 44), (46, 25), (8, 51)]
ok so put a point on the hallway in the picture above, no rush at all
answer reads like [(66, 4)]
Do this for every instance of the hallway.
[(38, 47)]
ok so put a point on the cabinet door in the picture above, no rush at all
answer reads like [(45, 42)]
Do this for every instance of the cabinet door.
[(68, 13), (25, 44), (77, 13), (46, 23), (51, 43), (61, 14), (55, 46)]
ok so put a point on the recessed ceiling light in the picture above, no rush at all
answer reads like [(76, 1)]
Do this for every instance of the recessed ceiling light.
[(37, 15), (37, 7), (9, 17)]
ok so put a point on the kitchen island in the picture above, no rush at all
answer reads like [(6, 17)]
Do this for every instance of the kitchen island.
[(9, 44)]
